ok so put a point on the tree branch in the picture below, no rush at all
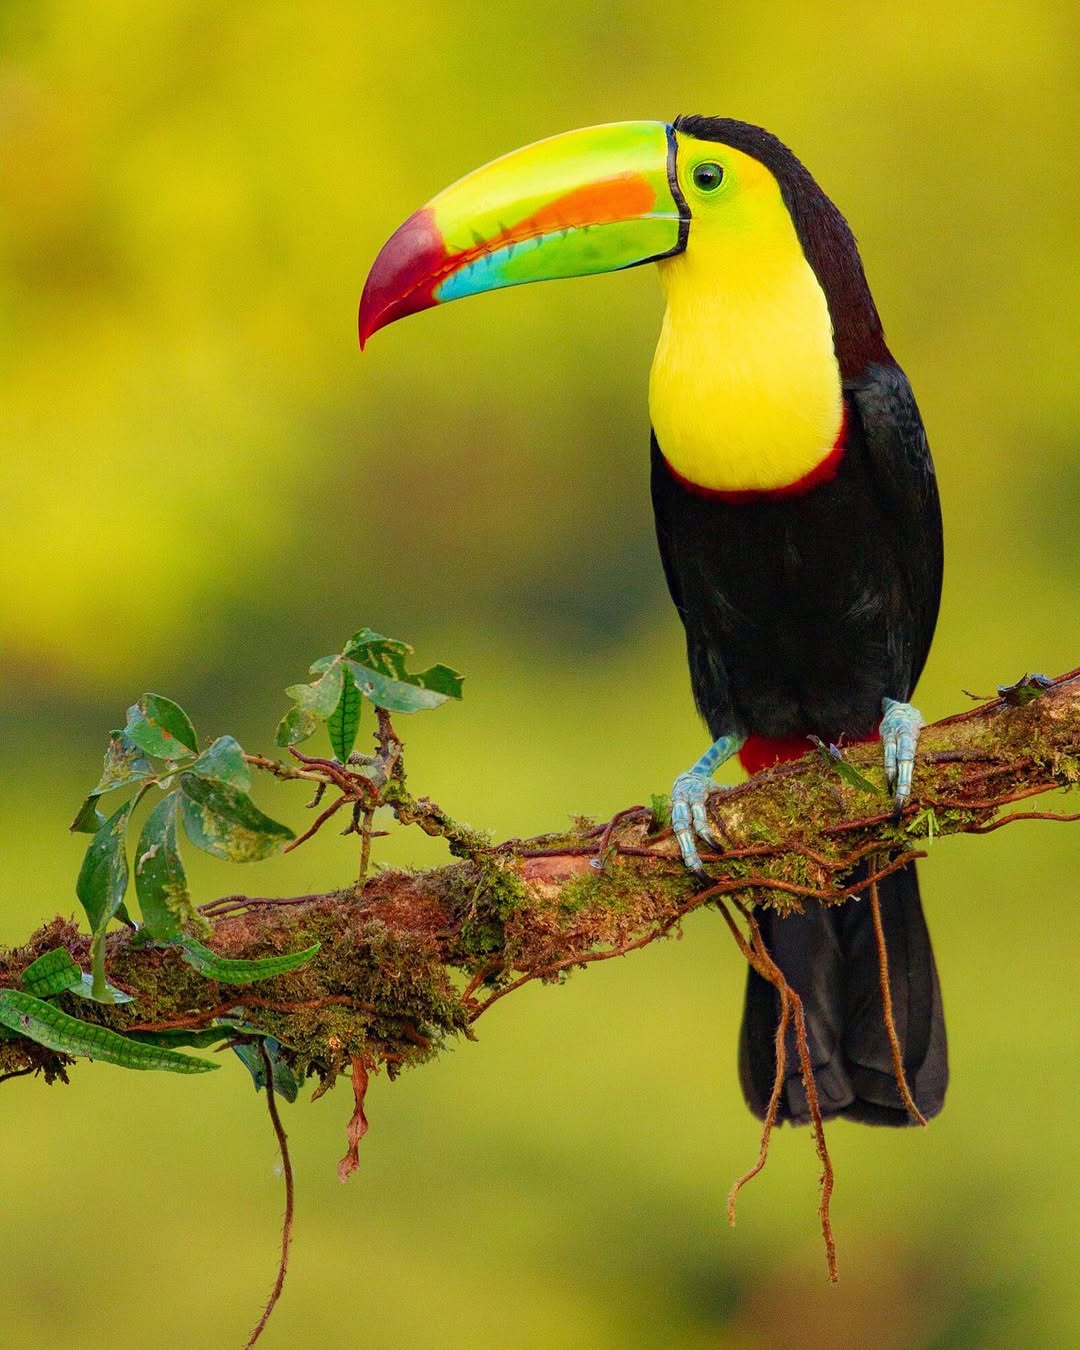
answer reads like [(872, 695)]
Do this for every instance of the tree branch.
[(411, 959)]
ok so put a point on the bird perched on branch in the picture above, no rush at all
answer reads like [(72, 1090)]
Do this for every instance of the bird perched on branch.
[(796, 511)]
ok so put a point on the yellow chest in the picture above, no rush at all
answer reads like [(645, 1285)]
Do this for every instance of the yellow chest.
[(745, 391)]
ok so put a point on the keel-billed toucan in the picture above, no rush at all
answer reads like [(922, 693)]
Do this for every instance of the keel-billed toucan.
[(796, 511)]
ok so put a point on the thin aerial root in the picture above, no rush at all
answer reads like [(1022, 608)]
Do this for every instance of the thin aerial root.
[(887, 1008), (818, 1123), (1022, 815), (287, 1223), (316, 825), (609, 829), (774, 1103), (775, 975)]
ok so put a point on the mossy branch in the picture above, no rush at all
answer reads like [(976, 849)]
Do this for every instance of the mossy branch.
[(411, 959)]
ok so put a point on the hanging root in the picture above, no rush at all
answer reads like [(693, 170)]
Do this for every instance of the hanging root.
[(757, 954), (887, 1009), (287, 1224), (778, 1083)]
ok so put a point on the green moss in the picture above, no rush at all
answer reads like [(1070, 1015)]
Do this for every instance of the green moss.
[(620, 886), (481, 899), (1066, 769)]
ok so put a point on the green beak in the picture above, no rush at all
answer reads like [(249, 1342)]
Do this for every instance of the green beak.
[(588, 201)]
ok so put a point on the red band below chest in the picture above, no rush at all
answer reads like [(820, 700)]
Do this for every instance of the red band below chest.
[(762, 752), (821, 473)]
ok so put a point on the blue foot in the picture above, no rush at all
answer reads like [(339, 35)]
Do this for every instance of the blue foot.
[(689, 818), (900, 729)]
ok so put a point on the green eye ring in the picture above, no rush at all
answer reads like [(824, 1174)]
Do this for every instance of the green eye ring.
[(707, 176)]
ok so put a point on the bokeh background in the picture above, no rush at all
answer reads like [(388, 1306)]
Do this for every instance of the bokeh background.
[(205, 486)]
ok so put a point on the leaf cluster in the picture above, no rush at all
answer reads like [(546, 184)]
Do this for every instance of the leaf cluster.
[(203, 795), (207, 793), (370, 667)]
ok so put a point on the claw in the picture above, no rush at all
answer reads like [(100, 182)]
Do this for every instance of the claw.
[(900, 729), (688, 815)]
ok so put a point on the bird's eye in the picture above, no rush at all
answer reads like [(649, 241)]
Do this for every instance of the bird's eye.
[(707, 177)]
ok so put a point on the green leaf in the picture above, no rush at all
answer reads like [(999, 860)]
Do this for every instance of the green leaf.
[(160, 882), (85, 989), (103, 876), (415, 693), (124, 763), (90, 819), (223, 821), (834, 758), (48, 1026), (343, 723), (161, 727), (285, 1081), (57, 972), (51, 974), (231, 970), (379, 664), (321, 697), (102, 882), (925, 824), (224, 762), (296, 726)]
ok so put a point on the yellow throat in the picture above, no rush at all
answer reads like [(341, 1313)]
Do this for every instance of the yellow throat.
[(745, 391)]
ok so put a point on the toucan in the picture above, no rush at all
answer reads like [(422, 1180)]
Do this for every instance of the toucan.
[(796, 509)]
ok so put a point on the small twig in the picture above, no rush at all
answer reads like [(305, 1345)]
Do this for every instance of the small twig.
[(365, 844), (287, 1224), (279, 770), (232, 904), (389, 743)]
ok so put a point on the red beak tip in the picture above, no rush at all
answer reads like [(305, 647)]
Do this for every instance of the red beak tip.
[(367, 324)]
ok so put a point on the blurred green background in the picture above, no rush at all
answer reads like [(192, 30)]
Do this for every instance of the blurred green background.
[(205, 486)]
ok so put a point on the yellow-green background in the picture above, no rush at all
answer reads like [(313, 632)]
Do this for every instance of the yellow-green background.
[(205, 485)]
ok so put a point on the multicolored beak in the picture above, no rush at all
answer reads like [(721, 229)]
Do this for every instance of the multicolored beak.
[(587, 201)]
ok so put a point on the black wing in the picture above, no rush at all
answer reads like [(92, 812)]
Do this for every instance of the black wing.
[(898, 459)]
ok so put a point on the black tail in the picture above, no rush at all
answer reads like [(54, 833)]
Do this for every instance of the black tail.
[(830, 958)]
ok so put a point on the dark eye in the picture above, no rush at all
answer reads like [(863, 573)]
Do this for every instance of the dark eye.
[(707, 177)]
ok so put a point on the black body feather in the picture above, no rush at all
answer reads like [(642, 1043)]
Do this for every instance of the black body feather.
[(801, 613)]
